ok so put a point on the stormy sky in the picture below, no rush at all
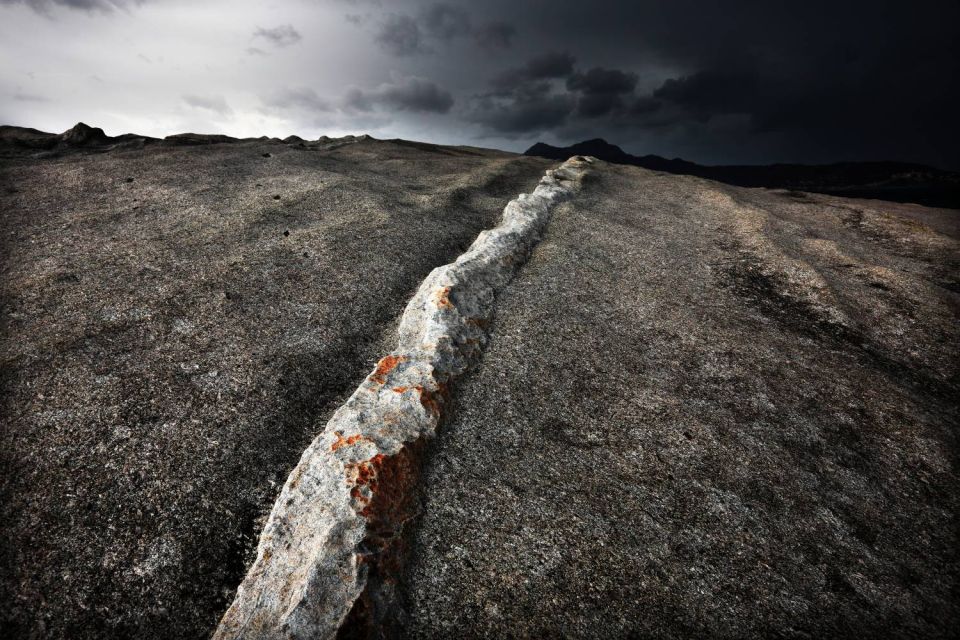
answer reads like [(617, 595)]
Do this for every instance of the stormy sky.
[(737, 81)]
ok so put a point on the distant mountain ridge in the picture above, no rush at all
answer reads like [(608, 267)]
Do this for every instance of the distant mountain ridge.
[(895, 181)]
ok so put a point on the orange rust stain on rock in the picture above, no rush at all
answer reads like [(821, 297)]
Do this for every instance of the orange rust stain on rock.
[(385, 366), (385, 495), (346, 442), (443, 298), (428, 400), (391, 483), (400, 389)]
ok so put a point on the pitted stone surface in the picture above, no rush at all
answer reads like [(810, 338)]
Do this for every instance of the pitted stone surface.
[(177, 321), (705, 412)]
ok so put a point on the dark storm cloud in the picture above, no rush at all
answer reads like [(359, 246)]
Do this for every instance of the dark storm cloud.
[(407, 94), (445, 22), (401, 36), (281, 36), (416, 95), (601, 90), (598, 81), (528, 98), (530, 108), (542, 67), (804, 81), (495, 35), (643, 106), (404, 34)]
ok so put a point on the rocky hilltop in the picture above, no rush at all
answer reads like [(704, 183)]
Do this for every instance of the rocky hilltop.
[(672, 407)]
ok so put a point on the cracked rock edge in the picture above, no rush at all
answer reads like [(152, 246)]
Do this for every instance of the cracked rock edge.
[(333, 546)]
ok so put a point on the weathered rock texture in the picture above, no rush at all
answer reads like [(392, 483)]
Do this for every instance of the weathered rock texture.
[(705, 412), (179, 322), (334, 542)]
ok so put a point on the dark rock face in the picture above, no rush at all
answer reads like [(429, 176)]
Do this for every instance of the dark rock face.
[(14, 139), (894, 181), (706, 412), (82, 135), (171, 344)]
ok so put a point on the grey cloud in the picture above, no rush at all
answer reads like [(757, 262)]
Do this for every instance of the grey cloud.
[(280, 36), (543, 67), (530, 109), (416, 95), (713, 91), (599, 80), (495, 35), (254, 51), (445, 22), (601, 90), (594, 105), (217, 104), (29, 97), (550, 65), (297, 98), (644, 105), (407, 35), (44, 6), (528, 99), (357, 100), (407, 94), (524, 100), (400, 35)]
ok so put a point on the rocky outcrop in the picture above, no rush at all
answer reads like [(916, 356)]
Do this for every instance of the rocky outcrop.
[(333, 546), (82, 135)]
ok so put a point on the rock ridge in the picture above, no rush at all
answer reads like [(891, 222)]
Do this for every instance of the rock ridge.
[(333, 547)]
